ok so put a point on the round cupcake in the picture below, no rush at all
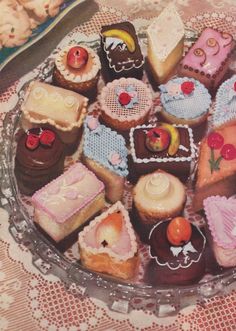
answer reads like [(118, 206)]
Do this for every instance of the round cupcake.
[(158, 196), (177, 248), (185, 101), (39, 159), (77, 68), (125, 103)]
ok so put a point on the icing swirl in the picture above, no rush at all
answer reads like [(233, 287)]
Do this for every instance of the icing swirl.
[(157, 186)]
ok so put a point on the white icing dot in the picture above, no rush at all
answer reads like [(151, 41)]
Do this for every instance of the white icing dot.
[(39, 93), (69, 101)]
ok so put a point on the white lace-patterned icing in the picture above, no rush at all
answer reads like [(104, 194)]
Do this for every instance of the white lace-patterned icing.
[(165, 32), (225, 106)]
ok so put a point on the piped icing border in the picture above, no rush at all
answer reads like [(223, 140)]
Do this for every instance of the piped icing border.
[(61, 220), (31, 119), (185, 88), (143, 109), (118, 206), (158, 23), (226, 94), (220, 202), (110, 59), (77, 78), (179, 265), (165, 159), (116, 159), (208, 76)]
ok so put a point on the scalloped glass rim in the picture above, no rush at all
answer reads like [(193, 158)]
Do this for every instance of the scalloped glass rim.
[(38, 33)]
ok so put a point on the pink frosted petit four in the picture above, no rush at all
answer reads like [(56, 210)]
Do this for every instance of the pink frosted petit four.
[(221, 218), (208, 59), (71, 199), (108, 244)]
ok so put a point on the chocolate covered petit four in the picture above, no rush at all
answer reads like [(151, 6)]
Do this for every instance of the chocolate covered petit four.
[(121, 52), (39, 159)]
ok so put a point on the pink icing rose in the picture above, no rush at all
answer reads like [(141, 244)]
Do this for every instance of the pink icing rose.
[(72, 194), (75, 178), (173, 89), (115, 158), (92, 123)]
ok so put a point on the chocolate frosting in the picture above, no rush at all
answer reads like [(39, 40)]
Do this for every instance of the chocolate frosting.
[(40, 158), (142, 166), (121, 59), (162, 249)]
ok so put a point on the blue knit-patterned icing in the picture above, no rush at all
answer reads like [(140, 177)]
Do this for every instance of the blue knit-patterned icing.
[(101, 143), (185, 106), (225, 107)]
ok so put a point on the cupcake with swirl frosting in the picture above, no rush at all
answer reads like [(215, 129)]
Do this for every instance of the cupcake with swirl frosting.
[(158, 196)]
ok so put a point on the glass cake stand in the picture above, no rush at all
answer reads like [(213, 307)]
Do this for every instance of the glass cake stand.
[(119, 295)]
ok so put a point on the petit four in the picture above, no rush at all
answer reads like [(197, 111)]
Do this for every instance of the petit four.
[(34, 164), (68, 201), (121, 52), (177, 248), (125, 103), (108, 244), (158, 196), (216, 173), (185, 101), (225, 106), (64, 110), (221, 219), (209, 58), (77, 68), (176, 153), (105, 153), (165, 43)]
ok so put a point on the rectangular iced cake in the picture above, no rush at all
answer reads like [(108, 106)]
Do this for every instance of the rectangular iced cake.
[(71, 199)]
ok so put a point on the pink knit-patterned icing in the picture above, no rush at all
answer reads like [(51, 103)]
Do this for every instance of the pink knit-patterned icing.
[(68, 193), (124, 248), (221, 217), (209, 51), (140, 99)]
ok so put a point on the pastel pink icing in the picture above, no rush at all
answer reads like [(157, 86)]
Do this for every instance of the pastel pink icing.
[(221, 217), (68, 193), (212, 62), (124, 248)]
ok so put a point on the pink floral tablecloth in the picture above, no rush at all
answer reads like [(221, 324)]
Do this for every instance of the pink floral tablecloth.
[(31, 301)]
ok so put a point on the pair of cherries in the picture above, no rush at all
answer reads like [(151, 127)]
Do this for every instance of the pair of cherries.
[(44, 138)]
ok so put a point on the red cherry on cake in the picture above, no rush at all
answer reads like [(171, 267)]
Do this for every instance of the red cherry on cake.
[(124, 98), (32, 141), (47, 138), (228, 152), (77, 57), (108, 231), (179, 231), (235, 86), (157, 140), (215, 140), (187, 87)]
